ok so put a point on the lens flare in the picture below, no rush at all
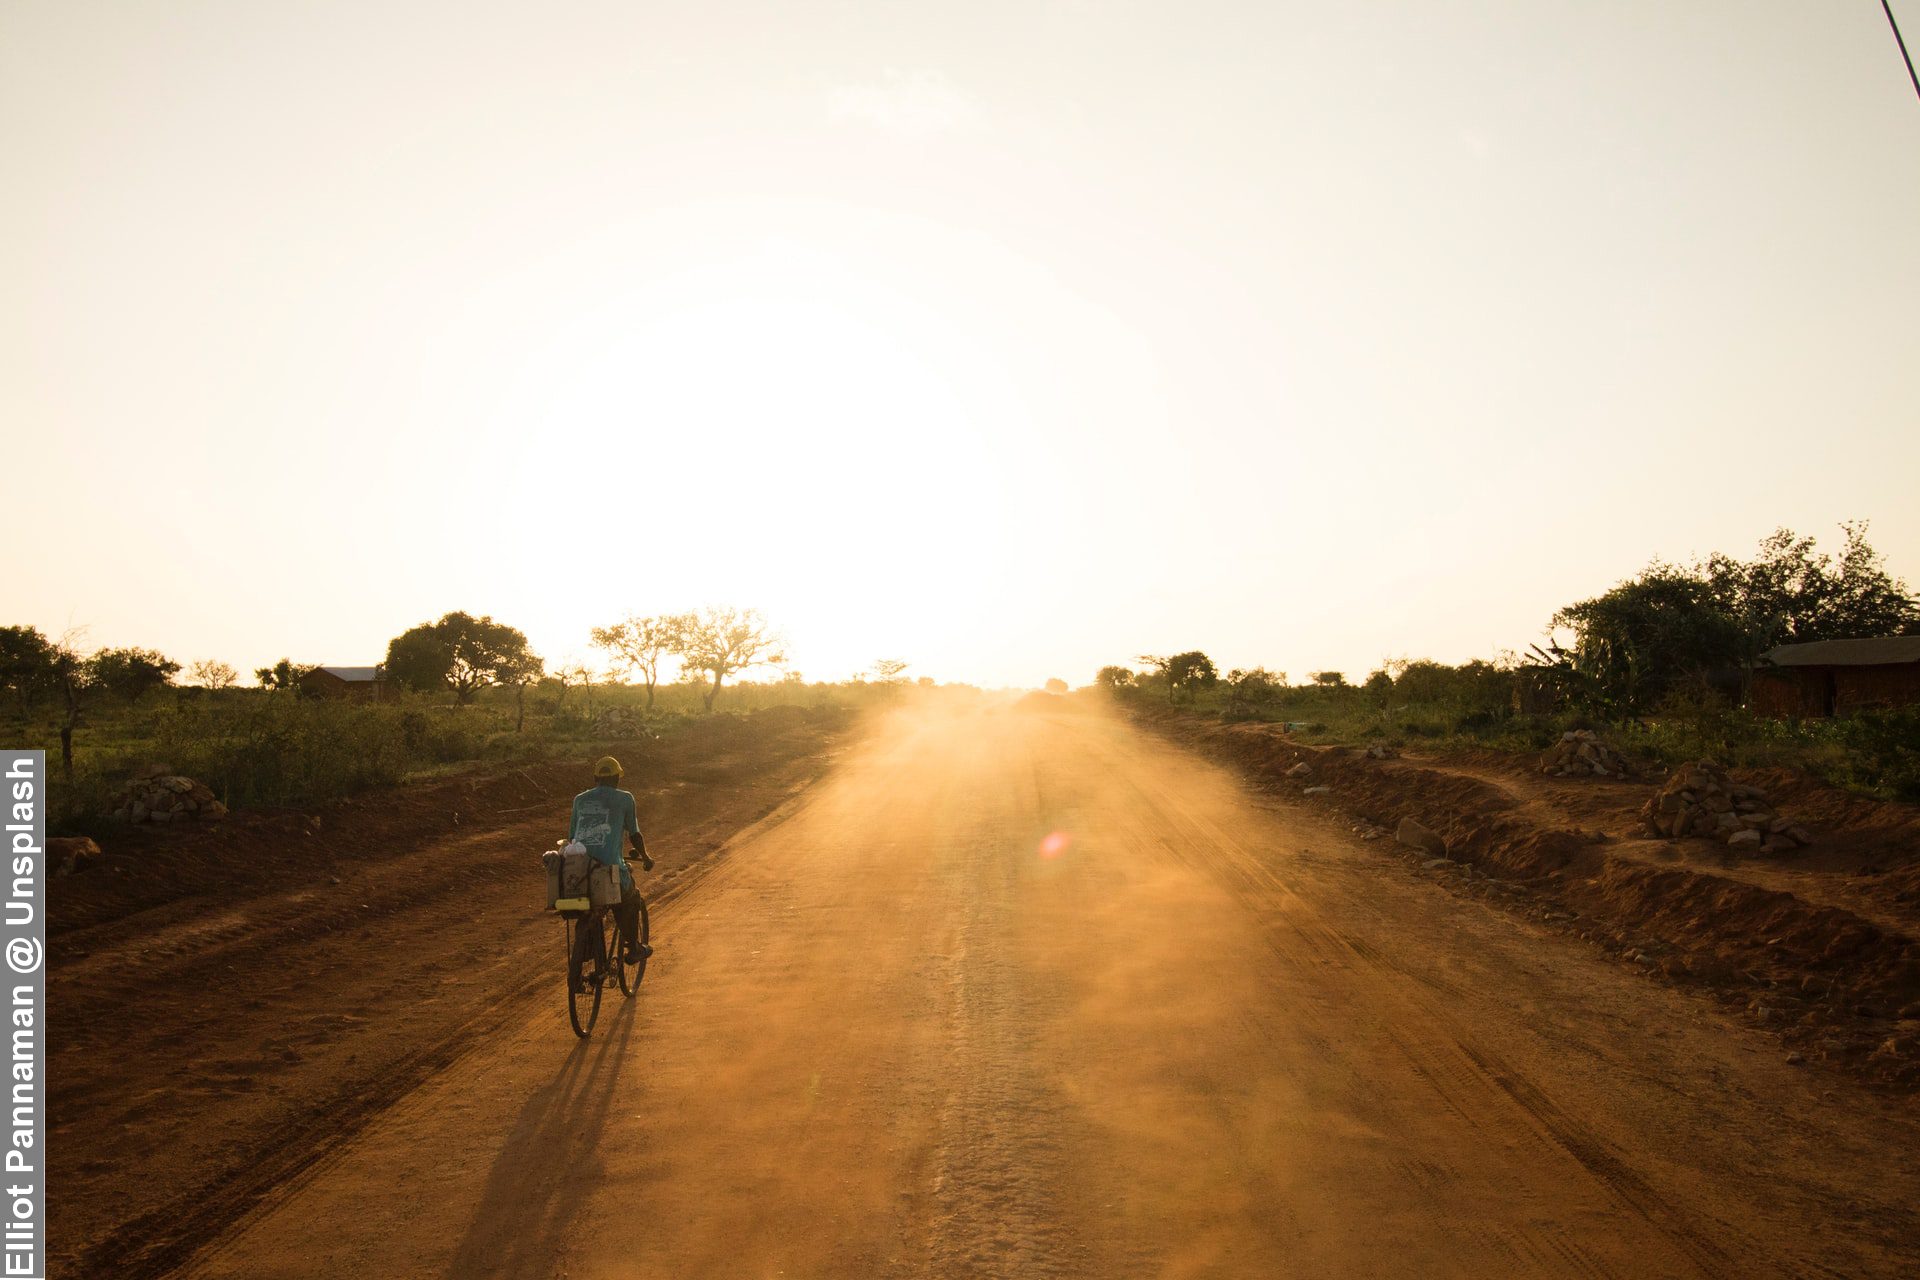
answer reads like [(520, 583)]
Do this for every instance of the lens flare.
[(1054, 844)]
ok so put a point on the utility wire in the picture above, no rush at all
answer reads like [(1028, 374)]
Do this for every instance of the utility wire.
[(1888, 8)]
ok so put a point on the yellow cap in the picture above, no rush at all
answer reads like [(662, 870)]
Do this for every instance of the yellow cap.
[(606, 767)]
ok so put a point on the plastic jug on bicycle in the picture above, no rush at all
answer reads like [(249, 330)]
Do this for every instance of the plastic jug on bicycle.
[(604, 819)]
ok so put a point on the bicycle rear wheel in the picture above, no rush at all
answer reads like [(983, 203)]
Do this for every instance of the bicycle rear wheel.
[(583, 1002), (630, 974)]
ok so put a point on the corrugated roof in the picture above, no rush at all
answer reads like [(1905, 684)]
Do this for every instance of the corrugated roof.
[(1876, 652), (354, 675)]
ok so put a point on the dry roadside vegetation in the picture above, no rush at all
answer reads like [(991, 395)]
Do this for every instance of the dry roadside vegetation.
[(1617, 786), (282, 975), (302, 909), (455, 694)]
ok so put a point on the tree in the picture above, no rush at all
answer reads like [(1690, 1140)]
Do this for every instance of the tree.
[(889, 670), (1329, 679), (459, 652), (420, 659), (1114, 679), (1643, 639), (82, 679), (520, 670), (723, 640), (1790, 593), (1648, 636), (73, 677), (131, 674), (212, 674), (1056, 685), (1253, 687), (1191, 671), (26, 663), (641, 644), (1162, 669), (576, 672), (282, 677)]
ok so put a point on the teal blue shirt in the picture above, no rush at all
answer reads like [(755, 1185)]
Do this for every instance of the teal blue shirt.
[(602, 818)]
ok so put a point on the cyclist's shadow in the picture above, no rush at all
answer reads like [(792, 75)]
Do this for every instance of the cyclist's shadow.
[(549, 1160)]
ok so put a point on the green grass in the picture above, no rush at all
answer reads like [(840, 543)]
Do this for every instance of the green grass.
[(258, 749), (1876, 753)]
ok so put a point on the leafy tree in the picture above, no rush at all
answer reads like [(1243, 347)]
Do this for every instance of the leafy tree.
[(890, 670), (1649, 636), (459, 652), (212, 674), (1790, 593), (83, 679), (1253, 687), (131, 674), (1191, 671), (720, 641), (1329, 679), (282, 677), (26, 663), (642, 644), (420, 659), (1477, 688), (1643, 639), (1114, 679), (1056, 685)]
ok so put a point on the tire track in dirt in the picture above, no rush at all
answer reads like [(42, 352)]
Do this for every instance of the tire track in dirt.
[(903, 1034), (1463, 1080), (162, 1239)]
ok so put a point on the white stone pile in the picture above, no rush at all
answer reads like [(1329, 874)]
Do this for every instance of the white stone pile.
[(1581, 753), (1701, 800), (619, 720), (157, 794)]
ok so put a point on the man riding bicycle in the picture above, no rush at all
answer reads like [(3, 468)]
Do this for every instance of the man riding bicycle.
[(602, 817)]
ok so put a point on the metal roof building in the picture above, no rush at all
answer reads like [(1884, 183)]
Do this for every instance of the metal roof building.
[(358, 683), (1838, 677)]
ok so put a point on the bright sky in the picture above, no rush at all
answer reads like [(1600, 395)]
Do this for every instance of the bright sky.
[(1008, 338)]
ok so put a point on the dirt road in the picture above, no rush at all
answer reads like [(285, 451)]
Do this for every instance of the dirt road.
[(1017, 994)]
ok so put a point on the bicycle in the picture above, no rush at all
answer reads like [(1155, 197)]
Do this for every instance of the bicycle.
[(586, 933)]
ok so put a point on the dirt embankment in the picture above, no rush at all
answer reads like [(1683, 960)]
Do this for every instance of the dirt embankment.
[(1817, 946), (230, 1003)]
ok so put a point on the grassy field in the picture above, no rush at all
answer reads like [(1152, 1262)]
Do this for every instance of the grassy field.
[(1877, 753), (255, 748)]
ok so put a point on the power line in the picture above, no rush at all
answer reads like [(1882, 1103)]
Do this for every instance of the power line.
[(1888, 8)]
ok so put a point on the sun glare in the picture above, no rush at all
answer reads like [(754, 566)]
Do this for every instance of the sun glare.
[(791, 418)]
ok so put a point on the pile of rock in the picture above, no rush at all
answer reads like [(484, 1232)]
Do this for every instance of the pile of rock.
[(619, 720), (1701, 800), (1581, 753), (157, 794)]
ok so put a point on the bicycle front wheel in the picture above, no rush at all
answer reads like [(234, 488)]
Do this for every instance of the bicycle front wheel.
[(630, 974), (583, 998)]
